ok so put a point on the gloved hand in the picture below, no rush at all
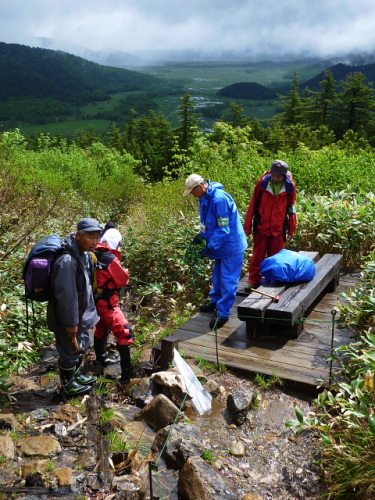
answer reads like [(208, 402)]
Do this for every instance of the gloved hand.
[(204, 252), (198, 240), (130, 335)]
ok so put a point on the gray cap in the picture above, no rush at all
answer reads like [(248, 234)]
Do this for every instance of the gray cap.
[(280, 167), (88, 225)]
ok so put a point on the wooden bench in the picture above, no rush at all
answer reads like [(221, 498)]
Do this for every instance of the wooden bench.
[(264, 316)]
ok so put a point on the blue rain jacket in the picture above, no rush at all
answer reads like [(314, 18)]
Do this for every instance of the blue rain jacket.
[(220, 223)]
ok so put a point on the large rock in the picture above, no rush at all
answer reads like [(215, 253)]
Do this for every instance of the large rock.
[(183, 442), (87, 459), (64, 477), (143, 392), (22, 384), (172, 381), (8, 422), (35, 466), (7, 475), (159, 413), (199, 480), (7, 448), (238, 405), (131, 487), (44, 445)]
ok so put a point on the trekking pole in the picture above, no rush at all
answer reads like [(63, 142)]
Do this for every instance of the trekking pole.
[(333, 312)]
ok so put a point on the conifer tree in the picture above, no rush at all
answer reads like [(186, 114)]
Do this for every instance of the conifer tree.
[(356, 103), (114, 139), (236, 115), (189, 120), (326, 98), (292, 105)]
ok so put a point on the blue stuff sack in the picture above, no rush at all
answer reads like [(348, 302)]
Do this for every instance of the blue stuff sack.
[(288, 267)]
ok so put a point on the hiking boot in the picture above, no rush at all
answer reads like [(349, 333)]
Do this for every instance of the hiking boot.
[(249, 286), (217, 322), (100, 347), (70, 385), (208, 308)]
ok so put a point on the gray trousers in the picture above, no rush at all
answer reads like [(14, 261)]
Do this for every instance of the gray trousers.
[(65, 347)]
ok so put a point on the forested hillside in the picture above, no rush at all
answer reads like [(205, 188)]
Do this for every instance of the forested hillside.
[(340, 72), (247, 90), (252, 90), (35, 72)]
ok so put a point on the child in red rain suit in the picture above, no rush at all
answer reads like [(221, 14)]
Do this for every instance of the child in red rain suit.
[(111, 276)]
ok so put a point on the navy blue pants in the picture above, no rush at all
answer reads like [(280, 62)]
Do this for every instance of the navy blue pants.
[(225, 277)]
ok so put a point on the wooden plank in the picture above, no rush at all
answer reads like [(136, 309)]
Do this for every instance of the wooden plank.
[(241, 351), (253, 308), (248, 352), (295, 372), (243, 282), (297, 299), (300, 360)]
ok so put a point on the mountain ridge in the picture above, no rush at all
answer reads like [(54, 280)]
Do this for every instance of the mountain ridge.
[(36, 72)]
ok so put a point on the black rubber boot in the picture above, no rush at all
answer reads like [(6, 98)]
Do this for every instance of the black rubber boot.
[(207, 308), (69, 385), (124, 351), (81, 378), (100, 347), (217, 322)]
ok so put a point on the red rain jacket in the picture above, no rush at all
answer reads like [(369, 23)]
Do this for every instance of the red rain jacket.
[(269, 214), (110, 273)]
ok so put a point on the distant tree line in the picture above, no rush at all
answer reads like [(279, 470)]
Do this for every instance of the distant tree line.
[(342, 115), (248, 90)]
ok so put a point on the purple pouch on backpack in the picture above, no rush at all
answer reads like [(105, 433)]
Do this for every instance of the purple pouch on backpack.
[(37, 274)]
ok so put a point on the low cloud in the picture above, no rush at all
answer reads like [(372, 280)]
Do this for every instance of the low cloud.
[(253, 27)]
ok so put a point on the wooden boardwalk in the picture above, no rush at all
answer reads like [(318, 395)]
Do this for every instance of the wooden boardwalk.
[(302, 360)]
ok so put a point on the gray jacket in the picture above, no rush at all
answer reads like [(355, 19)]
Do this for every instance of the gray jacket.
[(73, 302)]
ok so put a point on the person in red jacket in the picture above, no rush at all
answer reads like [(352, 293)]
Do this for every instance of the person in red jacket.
[(271, 217), (111, 276)]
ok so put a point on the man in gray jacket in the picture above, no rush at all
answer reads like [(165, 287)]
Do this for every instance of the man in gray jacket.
[(71, 312)]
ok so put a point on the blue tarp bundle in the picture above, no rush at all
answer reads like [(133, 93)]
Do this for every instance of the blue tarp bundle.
[(288, 267)]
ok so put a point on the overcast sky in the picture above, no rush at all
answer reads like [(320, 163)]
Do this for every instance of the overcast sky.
[(272, 27)]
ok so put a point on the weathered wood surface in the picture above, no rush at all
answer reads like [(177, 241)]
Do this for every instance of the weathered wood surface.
[(253, 298), (252, 309), (296, 300), (301, 360)]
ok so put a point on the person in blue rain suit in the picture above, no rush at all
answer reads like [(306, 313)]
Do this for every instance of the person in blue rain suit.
[(226, 242)]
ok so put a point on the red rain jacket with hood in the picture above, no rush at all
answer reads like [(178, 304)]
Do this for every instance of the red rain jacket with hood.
[(110, 273), (269, 214)]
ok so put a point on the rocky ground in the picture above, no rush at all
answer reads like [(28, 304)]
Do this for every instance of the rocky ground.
[(55, 449)]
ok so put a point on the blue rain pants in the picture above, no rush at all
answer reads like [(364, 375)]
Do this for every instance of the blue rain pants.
[(225, 277)]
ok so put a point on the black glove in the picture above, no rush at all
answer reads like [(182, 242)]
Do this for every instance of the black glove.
[(130, 330), (204, 252), (198, 240)]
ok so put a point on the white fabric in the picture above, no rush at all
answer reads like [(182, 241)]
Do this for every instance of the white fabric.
[(112, 237)]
